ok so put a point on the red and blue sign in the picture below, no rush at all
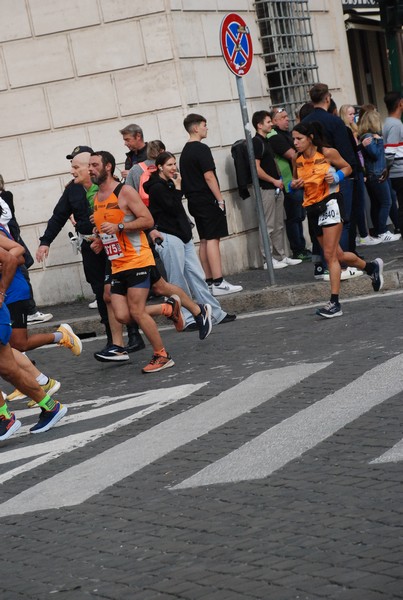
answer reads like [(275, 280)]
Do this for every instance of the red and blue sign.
[(236, 44)]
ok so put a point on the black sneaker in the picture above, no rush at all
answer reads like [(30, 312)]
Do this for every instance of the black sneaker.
[(319, 271), (8, 426), (228, 319), (134, 342), (112, 353), (330, 310), (377, 275), (49, 418), (203, 321)]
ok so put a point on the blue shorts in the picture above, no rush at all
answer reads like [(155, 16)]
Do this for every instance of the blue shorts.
[(5, 325)]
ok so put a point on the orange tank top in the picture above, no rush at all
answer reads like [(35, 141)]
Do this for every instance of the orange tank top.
[(126, 250), (313, 171)]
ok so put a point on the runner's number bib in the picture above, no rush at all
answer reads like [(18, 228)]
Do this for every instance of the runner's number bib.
[(331, 216), (111, 245)]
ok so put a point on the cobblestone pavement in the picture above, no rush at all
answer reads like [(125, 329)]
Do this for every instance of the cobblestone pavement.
[(245, 472)]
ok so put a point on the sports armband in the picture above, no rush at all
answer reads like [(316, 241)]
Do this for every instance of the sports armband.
[(338, 176)]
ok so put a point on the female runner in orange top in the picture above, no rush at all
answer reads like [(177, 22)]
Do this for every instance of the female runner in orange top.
[(314, 170)]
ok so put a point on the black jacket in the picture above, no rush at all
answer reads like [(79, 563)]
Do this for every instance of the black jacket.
[(73, 201), (167, 209), (133, 158)]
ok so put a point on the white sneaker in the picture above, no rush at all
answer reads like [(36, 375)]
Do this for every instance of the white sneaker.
[(291, 261), (348, 273), (278, 264), (93, 304), (389, 237), (226, 288), (39, 317), (367, 241)]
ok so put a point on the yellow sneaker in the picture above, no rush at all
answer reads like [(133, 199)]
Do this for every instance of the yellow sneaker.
[(49, 388), (15, 395), (70, 340)]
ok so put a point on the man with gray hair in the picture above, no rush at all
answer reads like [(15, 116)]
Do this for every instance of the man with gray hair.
[(134, 140)]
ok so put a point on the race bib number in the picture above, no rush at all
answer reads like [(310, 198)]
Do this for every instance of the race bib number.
[(112, 246), (331, 216)]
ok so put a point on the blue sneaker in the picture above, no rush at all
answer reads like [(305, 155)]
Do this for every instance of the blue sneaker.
[(330, 310), (203, 321), (49, 418), (8, 427), (377, 275)]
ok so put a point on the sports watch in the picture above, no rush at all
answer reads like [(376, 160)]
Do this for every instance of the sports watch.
[(121, 227)]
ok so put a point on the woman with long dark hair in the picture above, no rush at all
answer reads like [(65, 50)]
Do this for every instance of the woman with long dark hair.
[(173, 234), (318, 169)]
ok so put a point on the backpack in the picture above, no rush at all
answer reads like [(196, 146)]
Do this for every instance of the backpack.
[(239, 152), (145, 176)]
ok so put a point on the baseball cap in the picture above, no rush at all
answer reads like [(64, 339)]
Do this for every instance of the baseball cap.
[(78, 150)]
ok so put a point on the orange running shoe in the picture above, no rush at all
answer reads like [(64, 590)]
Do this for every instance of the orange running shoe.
[(158, 363), (176, 315)]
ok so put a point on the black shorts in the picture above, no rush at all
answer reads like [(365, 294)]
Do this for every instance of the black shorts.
[(210, 220), (108, 273), (18, 313), (315, 228), (134, 278)]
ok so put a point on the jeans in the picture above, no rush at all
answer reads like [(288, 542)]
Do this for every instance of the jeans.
[(295, 215), (183, 268), (397, 184), (381, 201), (346, 188)]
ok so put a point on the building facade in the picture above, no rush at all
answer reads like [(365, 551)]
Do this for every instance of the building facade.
[(75, 73)]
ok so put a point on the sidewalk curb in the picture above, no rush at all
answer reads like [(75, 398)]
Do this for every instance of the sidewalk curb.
[(249, 301)]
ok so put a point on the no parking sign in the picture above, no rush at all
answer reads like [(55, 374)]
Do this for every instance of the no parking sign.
[(236, 44)]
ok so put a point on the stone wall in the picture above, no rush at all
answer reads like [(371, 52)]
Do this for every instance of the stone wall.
[(76, 72)]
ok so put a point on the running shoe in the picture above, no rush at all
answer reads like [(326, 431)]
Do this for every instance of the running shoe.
[(112, 353), (158, 363), (330, 310), (39, 317), (49, 388), (176, 316), (224, 288), (349, 273), (8, 426), (228, 318), (49, 418), (16, 395), (377, 275), (70, 340), (203, 321)]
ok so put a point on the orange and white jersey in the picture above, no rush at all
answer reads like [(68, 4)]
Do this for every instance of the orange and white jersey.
[(125, 249), (313, 171)]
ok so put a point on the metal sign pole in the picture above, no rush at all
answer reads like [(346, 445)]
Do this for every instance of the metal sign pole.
[(255, 181)]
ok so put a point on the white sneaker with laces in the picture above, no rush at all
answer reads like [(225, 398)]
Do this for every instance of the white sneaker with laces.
[(93, 304), (367, 241), (291, 261), (225, 288), (348, 273), (389, 237), (278, 264), (39, 317)]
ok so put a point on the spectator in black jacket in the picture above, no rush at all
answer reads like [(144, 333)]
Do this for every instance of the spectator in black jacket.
[(77, 200)]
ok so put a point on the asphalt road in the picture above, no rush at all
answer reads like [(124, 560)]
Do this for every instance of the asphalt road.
[(267, 464)]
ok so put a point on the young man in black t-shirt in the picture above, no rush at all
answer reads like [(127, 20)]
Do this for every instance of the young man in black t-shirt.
[(272, 191), (205, 202)]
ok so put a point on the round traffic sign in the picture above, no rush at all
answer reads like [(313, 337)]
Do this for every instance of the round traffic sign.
[(236, 44)]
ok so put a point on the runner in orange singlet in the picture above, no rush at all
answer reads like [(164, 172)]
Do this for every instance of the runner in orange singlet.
[(121, 217), (314, 170)]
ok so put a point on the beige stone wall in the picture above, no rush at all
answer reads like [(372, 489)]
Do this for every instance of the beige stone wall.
[(76, 72)]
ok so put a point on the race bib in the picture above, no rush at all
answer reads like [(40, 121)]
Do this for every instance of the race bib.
[(331, 216), (112, 246)]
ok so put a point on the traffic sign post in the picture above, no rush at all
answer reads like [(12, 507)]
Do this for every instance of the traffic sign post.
[(237, 51)]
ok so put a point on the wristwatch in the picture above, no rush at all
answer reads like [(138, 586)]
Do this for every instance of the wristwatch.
[(121, 227)]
